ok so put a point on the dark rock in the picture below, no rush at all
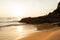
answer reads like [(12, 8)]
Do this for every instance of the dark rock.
[(50, 18)]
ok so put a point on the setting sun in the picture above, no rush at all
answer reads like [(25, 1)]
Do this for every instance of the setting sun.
[(18, 11)]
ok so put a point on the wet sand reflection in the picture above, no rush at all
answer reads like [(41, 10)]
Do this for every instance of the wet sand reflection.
[(53, 34), (13, 32)]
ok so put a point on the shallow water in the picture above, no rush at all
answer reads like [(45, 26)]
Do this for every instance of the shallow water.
[(13, 32)]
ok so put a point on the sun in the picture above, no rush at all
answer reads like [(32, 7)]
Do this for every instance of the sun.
[(19, 11)]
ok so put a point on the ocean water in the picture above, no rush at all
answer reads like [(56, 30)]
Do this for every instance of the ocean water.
[(7, 21), (10, 29)]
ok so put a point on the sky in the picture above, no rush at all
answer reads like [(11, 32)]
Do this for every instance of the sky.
[(26, 8)]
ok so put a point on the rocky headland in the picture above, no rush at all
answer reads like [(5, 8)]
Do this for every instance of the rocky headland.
[(52, 17)]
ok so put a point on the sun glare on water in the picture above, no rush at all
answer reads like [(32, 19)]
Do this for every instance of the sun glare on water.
[(20, 29)]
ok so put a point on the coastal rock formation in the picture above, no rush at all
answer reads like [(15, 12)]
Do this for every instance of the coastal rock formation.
[(50, 18)]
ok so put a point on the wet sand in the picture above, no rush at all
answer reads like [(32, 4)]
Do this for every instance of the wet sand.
[(13, 32), (29, 32), (51, 34)]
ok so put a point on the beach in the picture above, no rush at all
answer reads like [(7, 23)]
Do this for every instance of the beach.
[(52, 34), (29, 19), (30, 32), (13, 32)]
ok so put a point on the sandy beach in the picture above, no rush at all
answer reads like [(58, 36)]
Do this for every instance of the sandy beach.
[(51, 34)]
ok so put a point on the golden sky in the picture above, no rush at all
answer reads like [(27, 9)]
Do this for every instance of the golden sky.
[(26, 8)]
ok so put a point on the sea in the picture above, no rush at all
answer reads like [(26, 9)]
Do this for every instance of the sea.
[(11, 29)]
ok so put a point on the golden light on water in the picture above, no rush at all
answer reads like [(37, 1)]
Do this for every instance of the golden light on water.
[(20, 29)]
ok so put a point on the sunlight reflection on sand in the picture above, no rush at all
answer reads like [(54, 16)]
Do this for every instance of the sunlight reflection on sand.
[(44, 35), (25, 30), (13, 32)]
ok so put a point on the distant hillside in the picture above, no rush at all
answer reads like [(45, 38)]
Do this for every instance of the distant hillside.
[(50, 18)]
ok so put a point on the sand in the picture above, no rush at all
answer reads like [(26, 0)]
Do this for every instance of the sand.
[(49, 34)]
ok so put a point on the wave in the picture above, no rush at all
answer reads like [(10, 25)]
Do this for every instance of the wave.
[(8, 21), (12, 25)]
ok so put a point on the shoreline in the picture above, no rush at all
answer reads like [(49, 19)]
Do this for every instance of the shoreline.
[(42, 35)]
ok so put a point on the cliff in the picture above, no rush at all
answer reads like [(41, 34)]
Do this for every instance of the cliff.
[(50, 18)]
